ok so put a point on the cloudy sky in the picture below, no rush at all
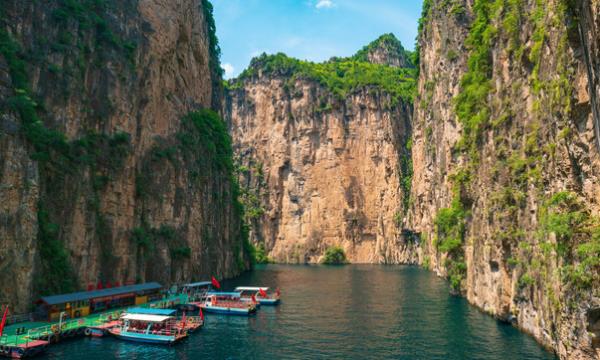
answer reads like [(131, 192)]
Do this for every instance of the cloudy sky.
[(308, 29)]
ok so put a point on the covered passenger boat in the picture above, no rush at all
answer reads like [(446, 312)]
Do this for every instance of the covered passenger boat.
[(261, 294), (229, 303), (156, 326)]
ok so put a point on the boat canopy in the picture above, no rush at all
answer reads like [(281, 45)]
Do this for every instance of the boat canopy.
[(198, 284), (251, 288), (146, 317), (151, 311), (94, 294), (222, 293)]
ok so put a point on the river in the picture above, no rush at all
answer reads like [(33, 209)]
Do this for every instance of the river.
[(337, 312)]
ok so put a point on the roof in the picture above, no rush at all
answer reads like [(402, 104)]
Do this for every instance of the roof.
[(145, 317), (151, 311), (251, 288), (87, 295), (223, 293), (198, 284)]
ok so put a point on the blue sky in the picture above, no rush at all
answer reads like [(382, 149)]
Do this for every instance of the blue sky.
[(308, 29)]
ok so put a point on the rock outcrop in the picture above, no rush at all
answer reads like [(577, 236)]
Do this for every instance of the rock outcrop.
[(112, 167), (506, 185), (323, 165)]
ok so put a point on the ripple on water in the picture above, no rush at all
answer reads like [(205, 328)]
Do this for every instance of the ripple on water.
[(348, 312)]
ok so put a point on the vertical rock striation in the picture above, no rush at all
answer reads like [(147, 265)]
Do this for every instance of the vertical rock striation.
[(324, 165), (112, 169), (506, 184)]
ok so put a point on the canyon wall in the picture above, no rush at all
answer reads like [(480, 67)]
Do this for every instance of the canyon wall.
[(113, 167), (322, 166), (506, 187)]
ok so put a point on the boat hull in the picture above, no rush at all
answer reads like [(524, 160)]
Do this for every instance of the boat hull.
[(22, 351), (228, 311), (147, 338), (269, 302)]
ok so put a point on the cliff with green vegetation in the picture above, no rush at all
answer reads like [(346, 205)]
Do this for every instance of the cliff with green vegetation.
[(506, 188), (323, 154), (114, 165)]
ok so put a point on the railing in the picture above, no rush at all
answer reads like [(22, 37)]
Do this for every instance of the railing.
[(238, 304), (18, 318), (170, 330), (75, 324)]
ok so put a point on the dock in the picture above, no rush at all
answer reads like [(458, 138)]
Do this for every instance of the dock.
[(37, 336)]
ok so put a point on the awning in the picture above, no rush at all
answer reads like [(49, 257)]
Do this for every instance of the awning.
[(151, 311), (101, 295), (219, 293), (198, 284), (251, 288), (145, 317)]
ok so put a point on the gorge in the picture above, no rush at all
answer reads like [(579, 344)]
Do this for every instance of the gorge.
[(476, 156)]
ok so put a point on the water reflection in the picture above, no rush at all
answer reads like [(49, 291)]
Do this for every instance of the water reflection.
[(374, 312)]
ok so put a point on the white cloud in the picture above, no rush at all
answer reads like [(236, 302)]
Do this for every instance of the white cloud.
[(229, 70), (327, 4)]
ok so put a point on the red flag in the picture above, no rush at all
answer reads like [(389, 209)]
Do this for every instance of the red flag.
[(253, 299), (99, 286), (3, 320), (118, 284), (216, 283), (108, 285), (201, 314), (278, 292), (90, 287), (262, 293)]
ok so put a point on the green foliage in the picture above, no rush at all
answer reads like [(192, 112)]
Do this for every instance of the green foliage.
[(424, 15), (341, 77), (565, 217), (100, 154), (450, 226), (471, 105), (388, 42), (406, 166), (91, 16), (143, 238), (562, 216), (261, 256), (525, 280), (214, 48), (56, 275), (181, 252), (204, 138), (334, 255)]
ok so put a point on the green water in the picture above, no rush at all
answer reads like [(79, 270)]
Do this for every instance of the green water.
[(349, 312)]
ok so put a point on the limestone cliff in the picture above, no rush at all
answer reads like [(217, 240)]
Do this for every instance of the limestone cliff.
[(112, 166), (324, 154), (506, 186)]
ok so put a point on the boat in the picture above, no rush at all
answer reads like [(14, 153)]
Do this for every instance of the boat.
[(155, 326), (229, 303), (197, 291), (261, 294), (23, 350), (101, 330)]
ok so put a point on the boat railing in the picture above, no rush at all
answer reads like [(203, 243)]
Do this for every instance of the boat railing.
[(19, 318), (169, 330), (189, 320), (240, 304)]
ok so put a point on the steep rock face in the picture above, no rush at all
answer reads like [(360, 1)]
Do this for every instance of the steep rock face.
[(322, 170), (506, 188), (133, 190)]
